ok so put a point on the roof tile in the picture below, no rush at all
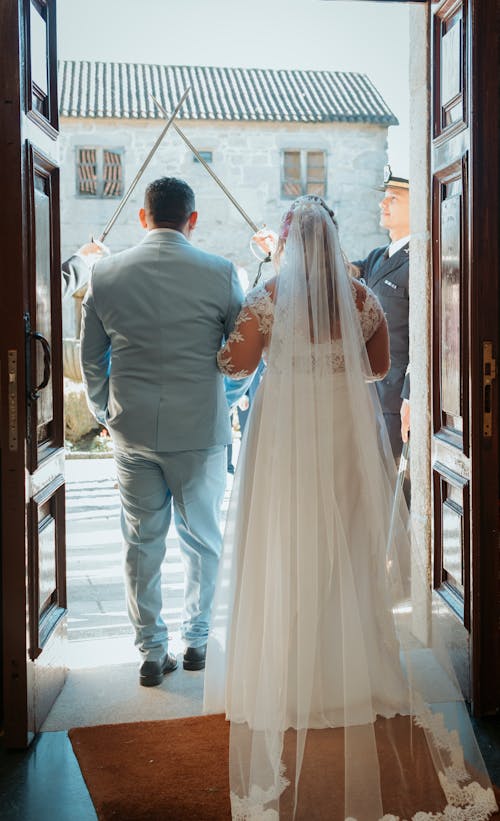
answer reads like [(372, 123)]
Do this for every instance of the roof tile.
[(122, 90)]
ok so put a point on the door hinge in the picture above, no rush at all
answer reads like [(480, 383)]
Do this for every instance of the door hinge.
[(489, 375)]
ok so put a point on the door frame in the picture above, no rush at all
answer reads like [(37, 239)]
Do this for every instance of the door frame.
[(32, 483), (484, 324)]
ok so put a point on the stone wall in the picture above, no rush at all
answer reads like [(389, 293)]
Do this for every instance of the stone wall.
[(420, 312), (247, 157)]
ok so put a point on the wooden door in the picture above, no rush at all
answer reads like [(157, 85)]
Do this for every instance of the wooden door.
[(464, 166), (32, 433)]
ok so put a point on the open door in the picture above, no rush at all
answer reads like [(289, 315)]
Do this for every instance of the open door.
[(32, 431), (464, 168), (462, 48)]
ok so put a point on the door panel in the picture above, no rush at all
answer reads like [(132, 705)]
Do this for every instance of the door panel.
[(451, 416), (44, 366), (38, 23), (32, 456), (465, 316), (46, 569), (452, 470)]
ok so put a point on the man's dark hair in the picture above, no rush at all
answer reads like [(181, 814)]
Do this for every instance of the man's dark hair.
[(169, 201)]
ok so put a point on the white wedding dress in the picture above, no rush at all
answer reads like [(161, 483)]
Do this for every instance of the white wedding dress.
[(312, 623)]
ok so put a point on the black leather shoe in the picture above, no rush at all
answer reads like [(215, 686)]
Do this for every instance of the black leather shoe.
[(151, 672), (194, 658)]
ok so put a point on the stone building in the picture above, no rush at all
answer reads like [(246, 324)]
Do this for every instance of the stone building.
[(269, 135)]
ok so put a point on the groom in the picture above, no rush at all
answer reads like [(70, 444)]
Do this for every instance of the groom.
[(153, 320)]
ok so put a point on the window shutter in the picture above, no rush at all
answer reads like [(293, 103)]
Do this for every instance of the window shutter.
[(316, 173), (292, 184), (87, 172), (112, 174)]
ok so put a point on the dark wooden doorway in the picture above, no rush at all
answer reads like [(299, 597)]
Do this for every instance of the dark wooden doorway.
[(32, 433), (464, 170), (464, 165)]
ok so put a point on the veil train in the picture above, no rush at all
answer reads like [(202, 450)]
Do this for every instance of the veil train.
[(325, 652)]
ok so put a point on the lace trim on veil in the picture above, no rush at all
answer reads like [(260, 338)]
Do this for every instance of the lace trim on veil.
[(470, 802), (252, 806)]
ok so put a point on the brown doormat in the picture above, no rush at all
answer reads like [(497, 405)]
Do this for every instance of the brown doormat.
[(178, 770)]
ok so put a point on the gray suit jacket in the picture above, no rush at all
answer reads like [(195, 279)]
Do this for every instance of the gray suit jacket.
[(389, 281), (153, 320)]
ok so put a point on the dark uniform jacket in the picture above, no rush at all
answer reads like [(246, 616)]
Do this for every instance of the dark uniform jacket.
[(388, 279)]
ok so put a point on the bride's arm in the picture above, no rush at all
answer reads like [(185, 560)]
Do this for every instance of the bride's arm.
[(241, 354), (375, 332), (378, 351)]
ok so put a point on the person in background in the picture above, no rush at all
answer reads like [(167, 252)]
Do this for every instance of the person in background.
[(386, 272)]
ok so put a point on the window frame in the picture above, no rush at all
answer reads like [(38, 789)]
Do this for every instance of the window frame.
[(304, 180), (100, 181), (203, 152)]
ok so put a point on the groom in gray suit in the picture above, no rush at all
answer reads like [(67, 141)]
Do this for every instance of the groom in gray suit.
[(153, 320)]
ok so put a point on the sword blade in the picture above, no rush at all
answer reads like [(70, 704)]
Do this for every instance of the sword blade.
[(143, 167), (212, 173), (403, 464)]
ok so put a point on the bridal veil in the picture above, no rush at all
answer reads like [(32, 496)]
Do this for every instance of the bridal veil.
[(325, 653)]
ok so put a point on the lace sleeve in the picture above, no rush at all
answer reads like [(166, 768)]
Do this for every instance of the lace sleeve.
[(371, 315), (241, 354)]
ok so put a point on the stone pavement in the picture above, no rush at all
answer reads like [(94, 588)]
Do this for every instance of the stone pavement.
[(95, 585)]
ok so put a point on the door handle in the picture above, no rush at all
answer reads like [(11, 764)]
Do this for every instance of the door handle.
[(35, 393)]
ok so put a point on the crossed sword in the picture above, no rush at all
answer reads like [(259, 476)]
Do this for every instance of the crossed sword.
[(171, 122)]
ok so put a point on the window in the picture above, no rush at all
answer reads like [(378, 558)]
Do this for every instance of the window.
[(99, 172), (205, 155), (303, 172)]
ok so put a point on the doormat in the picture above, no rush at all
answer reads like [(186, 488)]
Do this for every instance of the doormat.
[(177, 770)]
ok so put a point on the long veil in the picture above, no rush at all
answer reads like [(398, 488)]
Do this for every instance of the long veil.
[(325, 652)]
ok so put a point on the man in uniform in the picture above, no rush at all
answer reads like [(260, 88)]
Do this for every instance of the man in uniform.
[(386, 272)]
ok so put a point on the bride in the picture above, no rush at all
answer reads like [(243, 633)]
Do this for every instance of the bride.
[(324, 651)]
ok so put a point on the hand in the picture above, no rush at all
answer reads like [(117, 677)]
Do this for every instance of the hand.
[(405, 419), (266, 240), (94, 249), (244, 403)]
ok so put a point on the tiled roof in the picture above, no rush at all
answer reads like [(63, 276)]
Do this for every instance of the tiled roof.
[(97, 89)]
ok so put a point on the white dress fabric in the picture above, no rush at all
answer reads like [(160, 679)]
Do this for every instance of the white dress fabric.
[(316, 623), (359, 568)]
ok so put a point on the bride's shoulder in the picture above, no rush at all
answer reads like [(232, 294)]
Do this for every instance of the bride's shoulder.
[(359, 292), (270, 286), (263, 292), (364, 297)]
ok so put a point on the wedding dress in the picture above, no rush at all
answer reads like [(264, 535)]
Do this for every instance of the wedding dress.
[(324, 637)]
